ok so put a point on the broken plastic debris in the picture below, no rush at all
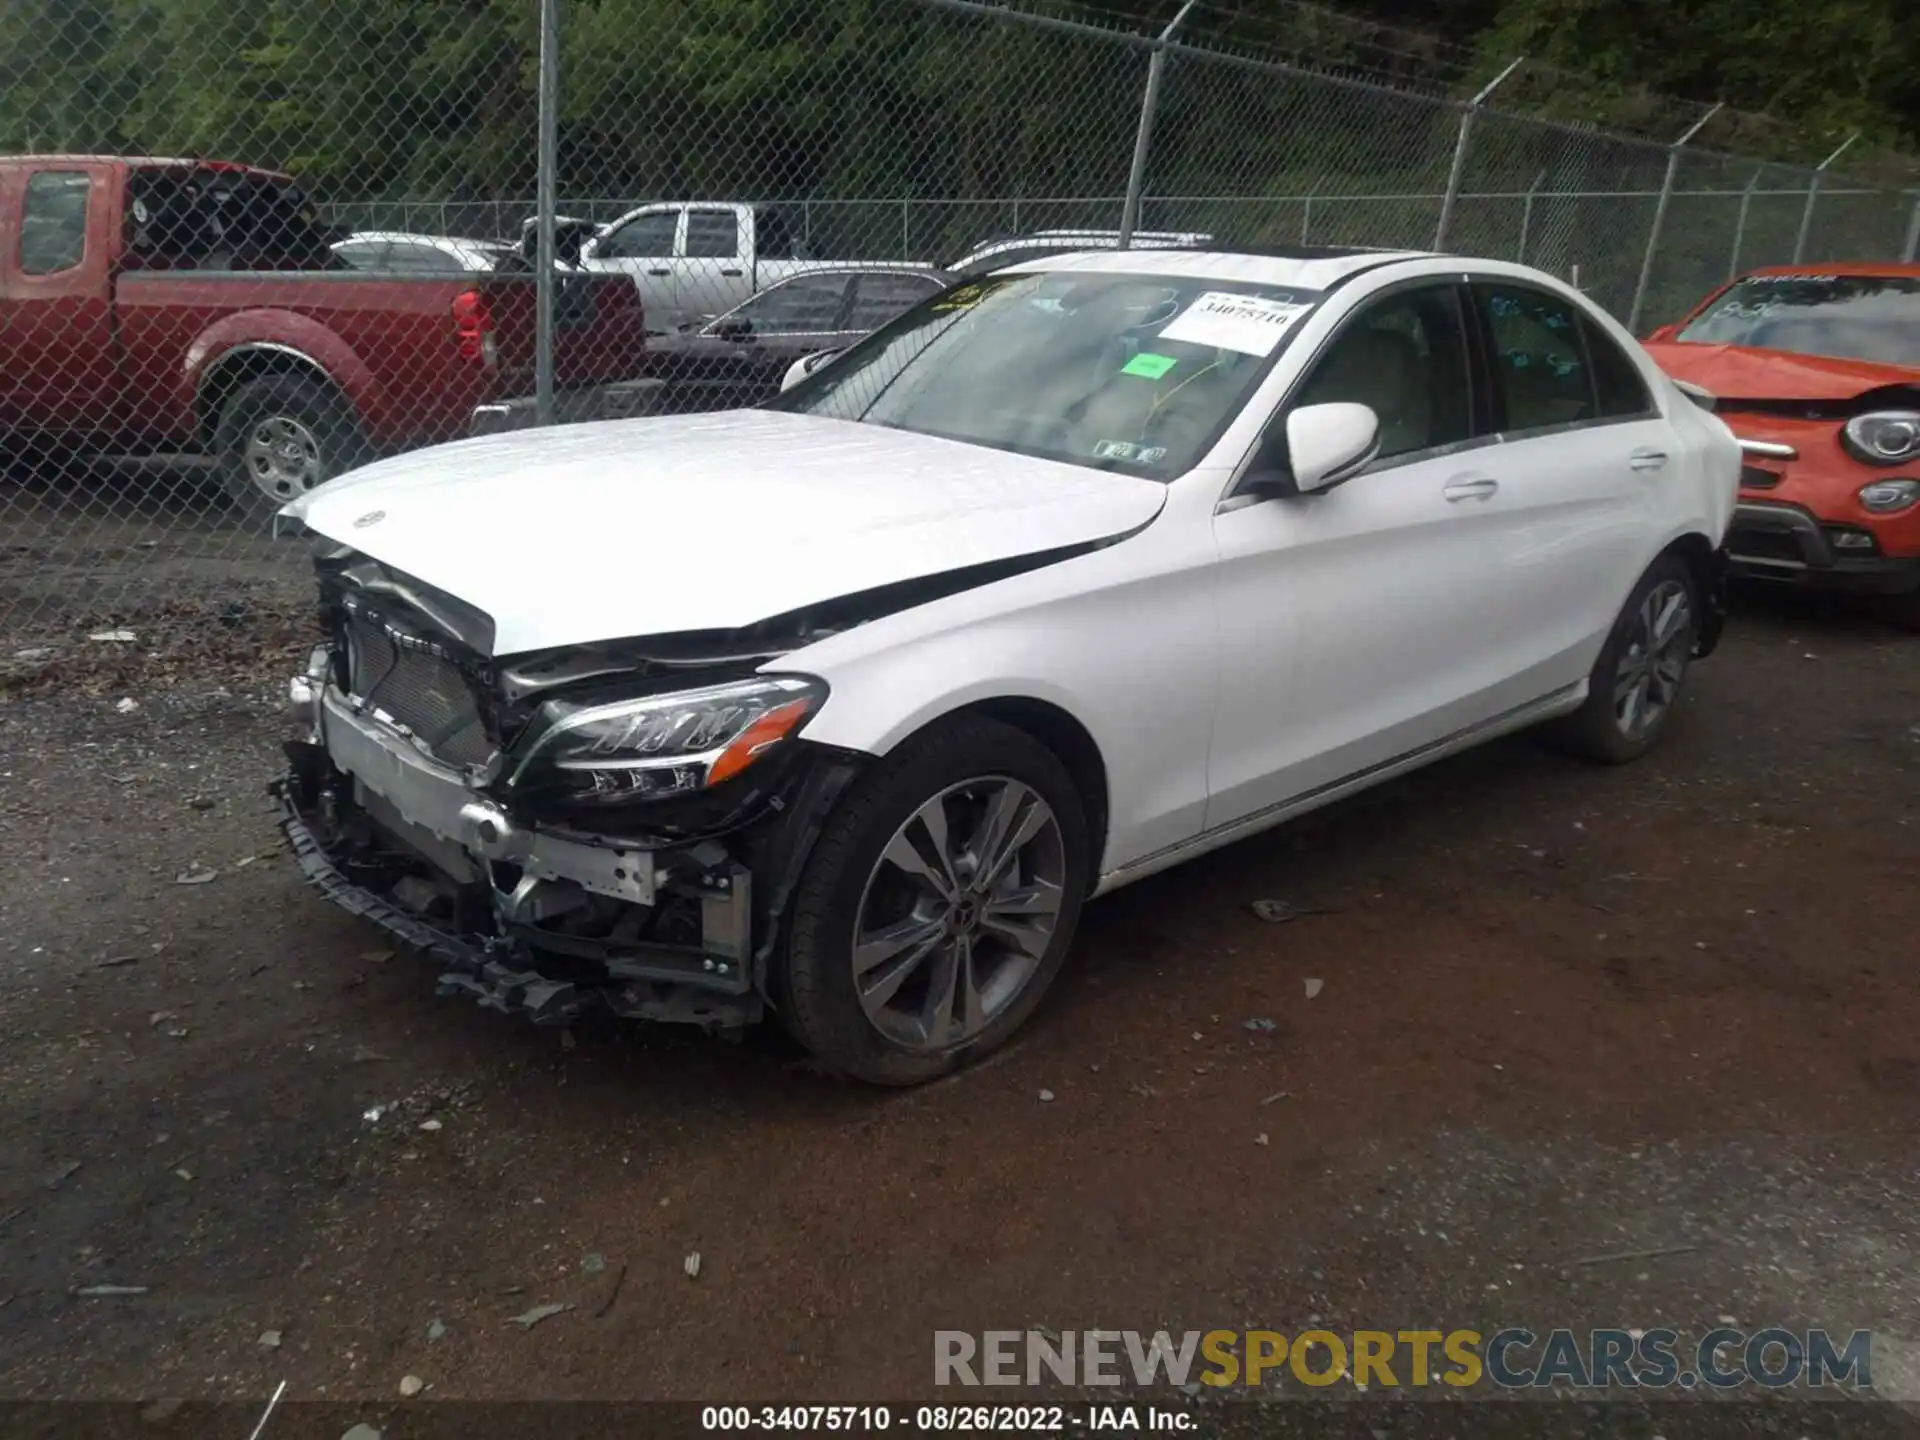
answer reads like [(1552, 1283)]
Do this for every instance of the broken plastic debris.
[(61, 1173), (692, 1266), (1259, 1024), (373, 1113), (126, 705), (195, 877), (1314, 987), (269, 1340), (436, 1330), (526, 1320), (1046, 1095), (429, 1124), (104, 1292), (594, 1263), (113, 637)]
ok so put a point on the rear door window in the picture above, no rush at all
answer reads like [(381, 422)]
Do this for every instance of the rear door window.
[(1540, 370), (712, 235), (53, 221)]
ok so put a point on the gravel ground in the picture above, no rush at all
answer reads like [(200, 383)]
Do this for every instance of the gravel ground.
[(1564, 1013)]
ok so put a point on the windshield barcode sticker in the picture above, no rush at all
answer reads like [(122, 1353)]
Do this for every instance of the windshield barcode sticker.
[(1247, 323)]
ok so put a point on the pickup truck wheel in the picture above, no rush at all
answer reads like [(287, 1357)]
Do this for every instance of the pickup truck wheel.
[(1636, 682), (278, 438), (938, 905)]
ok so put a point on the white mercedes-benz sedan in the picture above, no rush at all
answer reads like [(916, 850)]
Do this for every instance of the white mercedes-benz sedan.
[(839, 710)]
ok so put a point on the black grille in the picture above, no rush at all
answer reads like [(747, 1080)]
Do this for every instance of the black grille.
[(421, 690), (1764, 543), (1753, 477)]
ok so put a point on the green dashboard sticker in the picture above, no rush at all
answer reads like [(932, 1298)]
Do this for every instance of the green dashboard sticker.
[(1149, 365)]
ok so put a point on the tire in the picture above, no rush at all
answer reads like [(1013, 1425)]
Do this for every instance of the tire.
[(280, 436), (965, 771), (1607, 729)]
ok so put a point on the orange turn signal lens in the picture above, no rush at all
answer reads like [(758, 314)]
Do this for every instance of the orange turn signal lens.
[(762, 735)]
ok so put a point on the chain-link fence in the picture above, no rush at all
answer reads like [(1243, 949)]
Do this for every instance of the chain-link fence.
[(404, 221)]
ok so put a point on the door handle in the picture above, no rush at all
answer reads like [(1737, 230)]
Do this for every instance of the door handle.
[(733, 273), (1647, 459), (659, 272), (1470, 487)]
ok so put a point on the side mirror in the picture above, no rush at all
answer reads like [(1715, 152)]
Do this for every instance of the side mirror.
[(803, 367), (732, 327), (1327, 444)]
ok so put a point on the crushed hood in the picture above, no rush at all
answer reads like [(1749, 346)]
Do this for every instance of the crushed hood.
[(1739, 372), (705, 522)]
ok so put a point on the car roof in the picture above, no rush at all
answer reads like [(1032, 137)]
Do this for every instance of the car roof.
[(1906, 269), (143, 162), (1304, 267), (420, 239)]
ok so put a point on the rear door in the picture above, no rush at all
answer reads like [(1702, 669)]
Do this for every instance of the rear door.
[(1583, 448), (644, 247), (58, 353), (710, 276)]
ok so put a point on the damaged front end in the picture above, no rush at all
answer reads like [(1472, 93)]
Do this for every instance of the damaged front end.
[(614, 827)]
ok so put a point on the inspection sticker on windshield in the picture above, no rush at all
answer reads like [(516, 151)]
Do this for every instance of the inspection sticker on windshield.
[(1250, 324), (1148, 365)]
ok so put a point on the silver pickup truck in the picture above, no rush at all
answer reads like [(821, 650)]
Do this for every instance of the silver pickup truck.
[(692, 262)]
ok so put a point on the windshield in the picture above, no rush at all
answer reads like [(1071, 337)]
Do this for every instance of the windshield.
[(1848, 317), (1138, 373)]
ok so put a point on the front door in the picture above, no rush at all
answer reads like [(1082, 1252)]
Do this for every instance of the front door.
[(56, 306), (1362, 624)]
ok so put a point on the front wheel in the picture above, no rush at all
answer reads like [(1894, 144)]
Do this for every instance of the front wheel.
[(279, 437), (1636, 682), (938, 905)]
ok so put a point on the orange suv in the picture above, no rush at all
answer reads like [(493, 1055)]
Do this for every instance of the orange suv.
[(1817, 371)]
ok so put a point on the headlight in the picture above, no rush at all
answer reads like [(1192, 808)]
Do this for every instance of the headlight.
[(669, 744), (1885, 496), (1886, 437)]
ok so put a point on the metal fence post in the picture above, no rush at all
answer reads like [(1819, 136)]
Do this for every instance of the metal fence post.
[(1813, 193), (1740, 226), (1467, 117), (1306, 216), (1913, 232), (1526, 215), (1660, 218), (1143, 136), (906, 231), (545, 188)]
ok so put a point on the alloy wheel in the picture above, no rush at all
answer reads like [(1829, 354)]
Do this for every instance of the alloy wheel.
[(1647, 680), (957, 913)]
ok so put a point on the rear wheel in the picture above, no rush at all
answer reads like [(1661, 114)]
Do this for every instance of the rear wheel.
[(938, 905), (279, 437), (1636, 682)]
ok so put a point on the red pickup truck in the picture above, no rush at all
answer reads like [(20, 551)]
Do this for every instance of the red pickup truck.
[(195, 306)]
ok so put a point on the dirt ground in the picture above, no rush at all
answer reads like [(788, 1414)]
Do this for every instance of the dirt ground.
[(1565, 1013)]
